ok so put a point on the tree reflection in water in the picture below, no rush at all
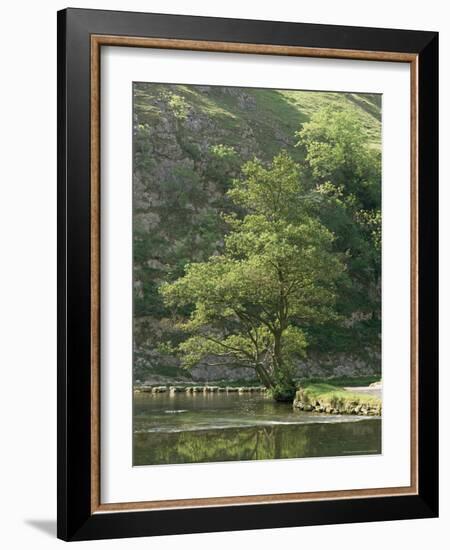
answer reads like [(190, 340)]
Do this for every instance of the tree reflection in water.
[(258, 442)]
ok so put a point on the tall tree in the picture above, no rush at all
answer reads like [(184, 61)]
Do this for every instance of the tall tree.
[(346, 170), (277, 272), (338, 150)]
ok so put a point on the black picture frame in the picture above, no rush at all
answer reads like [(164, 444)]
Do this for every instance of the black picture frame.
[(76, 521)]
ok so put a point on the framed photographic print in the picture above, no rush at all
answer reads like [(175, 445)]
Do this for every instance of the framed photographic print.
[(247, 274)]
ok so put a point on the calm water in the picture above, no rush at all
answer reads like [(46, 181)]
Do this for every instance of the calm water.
[(218, 427)]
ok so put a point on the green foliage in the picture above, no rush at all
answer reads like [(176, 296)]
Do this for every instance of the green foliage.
[(346, 170), (283, 391), (223, 163), (277, 271), (273, 192), (148, 301), (178, 105), (223, 151), (356, 338), (370, 221), (189, 182), (191, 149), (337, 150), (143, 147)]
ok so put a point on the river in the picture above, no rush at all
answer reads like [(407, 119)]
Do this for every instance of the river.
[(217, 427)]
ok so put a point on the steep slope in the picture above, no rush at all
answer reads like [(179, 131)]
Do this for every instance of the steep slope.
[(189, 141)]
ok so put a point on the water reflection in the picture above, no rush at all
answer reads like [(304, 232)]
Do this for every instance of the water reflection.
[(216, 428)]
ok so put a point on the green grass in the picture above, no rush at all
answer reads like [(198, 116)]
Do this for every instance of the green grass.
[(349, 381), (329, 397), (280, 110), (329, 393)]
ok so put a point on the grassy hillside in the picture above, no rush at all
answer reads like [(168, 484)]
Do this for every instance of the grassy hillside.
[(271, 117), (189, 142)]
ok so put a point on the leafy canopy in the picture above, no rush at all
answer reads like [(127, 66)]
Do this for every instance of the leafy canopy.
[(276, 272), (346, 170), (338, 151)]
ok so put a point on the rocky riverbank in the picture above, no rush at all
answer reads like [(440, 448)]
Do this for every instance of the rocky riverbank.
[(314, 397), (324, 398), (199, 389)]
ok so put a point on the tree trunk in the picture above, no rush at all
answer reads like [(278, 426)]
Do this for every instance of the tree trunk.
[(284, 389), (264, 377), (277, 352)]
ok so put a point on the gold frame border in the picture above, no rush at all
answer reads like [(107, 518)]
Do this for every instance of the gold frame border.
[(97, 41)]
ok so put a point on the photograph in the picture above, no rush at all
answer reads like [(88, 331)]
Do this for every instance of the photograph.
[(256, 273), (221, 275), (247, 254)]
